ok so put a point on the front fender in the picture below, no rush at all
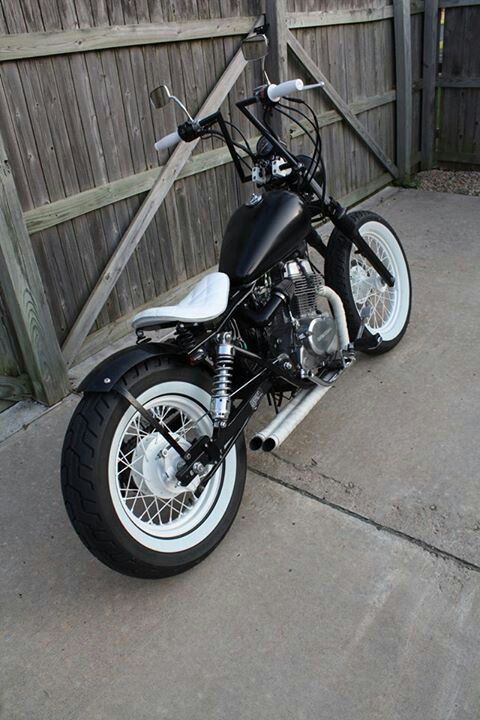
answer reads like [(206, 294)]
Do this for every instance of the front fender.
[(104, 377)]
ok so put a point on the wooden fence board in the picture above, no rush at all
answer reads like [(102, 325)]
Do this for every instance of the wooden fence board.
[(10, 358), (338, 17), (136, 229), (84, 160), (15, 388), (24, 296), (341, 105), (325, 18), (458, 3), (459, 83), (403, 66), (430, 59), (47, 216), (30, 45)]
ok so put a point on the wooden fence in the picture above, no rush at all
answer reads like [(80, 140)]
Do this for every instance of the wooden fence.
[(95, 223), (451, 121)]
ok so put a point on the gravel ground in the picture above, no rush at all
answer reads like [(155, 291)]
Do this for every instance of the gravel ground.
[(463, 182)]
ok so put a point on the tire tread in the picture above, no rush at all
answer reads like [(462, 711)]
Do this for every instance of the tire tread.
[(80, 450)]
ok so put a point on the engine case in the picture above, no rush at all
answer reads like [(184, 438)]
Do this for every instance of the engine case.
[(299, 330), (314, 333), (318, 339)]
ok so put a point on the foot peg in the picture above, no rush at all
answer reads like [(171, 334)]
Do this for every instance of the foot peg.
[(368, 342)]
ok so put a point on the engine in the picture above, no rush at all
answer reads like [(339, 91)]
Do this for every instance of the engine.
[(303, 331)]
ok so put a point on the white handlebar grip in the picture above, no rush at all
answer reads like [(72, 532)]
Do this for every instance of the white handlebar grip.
[(275, 92), (167, 141)]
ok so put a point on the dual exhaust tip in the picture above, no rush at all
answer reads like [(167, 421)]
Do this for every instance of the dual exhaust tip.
[(283, 424), (267, 444)]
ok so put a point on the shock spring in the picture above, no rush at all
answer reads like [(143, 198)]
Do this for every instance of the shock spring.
[(222, 380)]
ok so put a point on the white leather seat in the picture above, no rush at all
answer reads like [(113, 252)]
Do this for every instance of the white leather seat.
[(207, 300)]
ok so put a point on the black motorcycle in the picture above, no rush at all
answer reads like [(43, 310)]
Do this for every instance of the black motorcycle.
[(154, 459)]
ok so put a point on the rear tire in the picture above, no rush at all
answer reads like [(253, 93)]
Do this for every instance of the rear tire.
[(125, 508), (356, 282)]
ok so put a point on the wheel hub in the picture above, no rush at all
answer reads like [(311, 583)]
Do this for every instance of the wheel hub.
[(154, 466), (362, 283), (366, 281)]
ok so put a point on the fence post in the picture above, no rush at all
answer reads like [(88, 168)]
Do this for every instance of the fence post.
[(276, 63), (24, 296), (429, 74), (403, 73)]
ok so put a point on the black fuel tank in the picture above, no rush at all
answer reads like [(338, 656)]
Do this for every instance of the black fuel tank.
[(259, 236)]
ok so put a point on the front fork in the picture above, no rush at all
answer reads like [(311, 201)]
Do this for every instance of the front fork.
[(347, 226)]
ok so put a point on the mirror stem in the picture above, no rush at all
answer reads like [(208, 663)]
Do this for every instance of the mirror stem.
[(265, 72), (182, 106)]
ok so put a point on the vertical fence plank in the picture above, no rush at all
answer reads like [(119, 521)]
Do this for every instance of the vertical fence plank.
[(25, 298), (429, 65), (276, 62), (403, 72)]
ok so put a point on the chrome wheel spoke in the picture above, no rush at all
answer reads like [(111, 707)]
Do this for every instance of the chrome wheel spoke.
[(368, 288), (146, 467)]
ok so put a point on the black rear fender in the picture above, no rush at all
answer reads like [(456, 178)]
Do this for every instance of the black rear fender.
[(109, 371)]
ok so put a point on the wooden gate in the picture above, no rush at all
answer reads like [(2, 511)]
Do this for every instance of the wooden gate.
[(90, 230), (451, 124)]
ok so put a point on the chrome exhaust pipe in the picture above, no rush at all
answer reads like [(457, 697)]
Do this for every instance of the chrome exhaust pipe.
[(338, 314), (287, 419), (297, 409)]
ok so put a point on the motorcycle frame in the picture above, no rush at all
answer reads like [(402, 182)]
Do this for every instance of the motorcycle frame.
[(206, 449)]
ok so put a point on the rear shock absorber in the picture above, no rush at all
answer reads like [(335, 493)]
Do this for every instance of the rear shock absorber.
[(222, 380)]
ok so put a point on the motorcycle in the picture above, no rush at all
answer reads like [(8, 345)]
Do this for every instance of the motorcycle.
[(154, 458)]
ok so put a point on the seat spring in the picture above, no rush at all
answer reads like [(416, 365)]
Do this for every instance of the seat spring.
[(185, 338)]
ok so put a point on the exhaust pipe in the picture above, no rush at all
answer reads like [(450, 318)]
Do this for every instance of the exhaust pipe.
[(287, 419), (297, 409), (338, 314)]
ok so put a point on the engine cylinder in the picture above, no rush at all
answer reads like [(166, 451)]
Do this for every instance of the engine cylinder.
[(307, 283)]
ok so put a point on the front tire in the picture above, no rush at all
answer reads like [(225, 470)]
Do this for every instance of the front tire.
[(118, 480), (356, 282)]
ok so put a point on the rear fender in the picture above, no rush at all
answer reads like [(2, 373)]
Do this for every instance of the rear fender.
[(104, 377)]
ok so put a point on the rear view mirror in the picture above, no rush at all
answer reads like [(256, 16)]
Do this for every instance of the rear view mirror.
[(160, 96), (255, 47)]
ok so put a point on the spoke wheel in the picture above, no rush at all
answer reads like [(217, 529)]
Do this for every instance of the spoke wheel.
[(119, 476), (369, 290), (142, 468), (360, 287)]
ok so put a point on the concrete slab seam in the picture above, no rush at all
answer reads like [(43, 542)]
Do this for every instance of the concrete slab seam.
[(427, 547)]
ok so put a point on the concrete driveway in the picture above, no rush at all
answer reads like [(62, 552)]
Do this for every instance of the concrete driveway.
[(348, 587)]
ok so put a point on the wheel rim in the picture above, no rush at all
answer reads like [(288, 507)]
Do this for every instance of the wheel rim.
[(389, 306), (142, 469)]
